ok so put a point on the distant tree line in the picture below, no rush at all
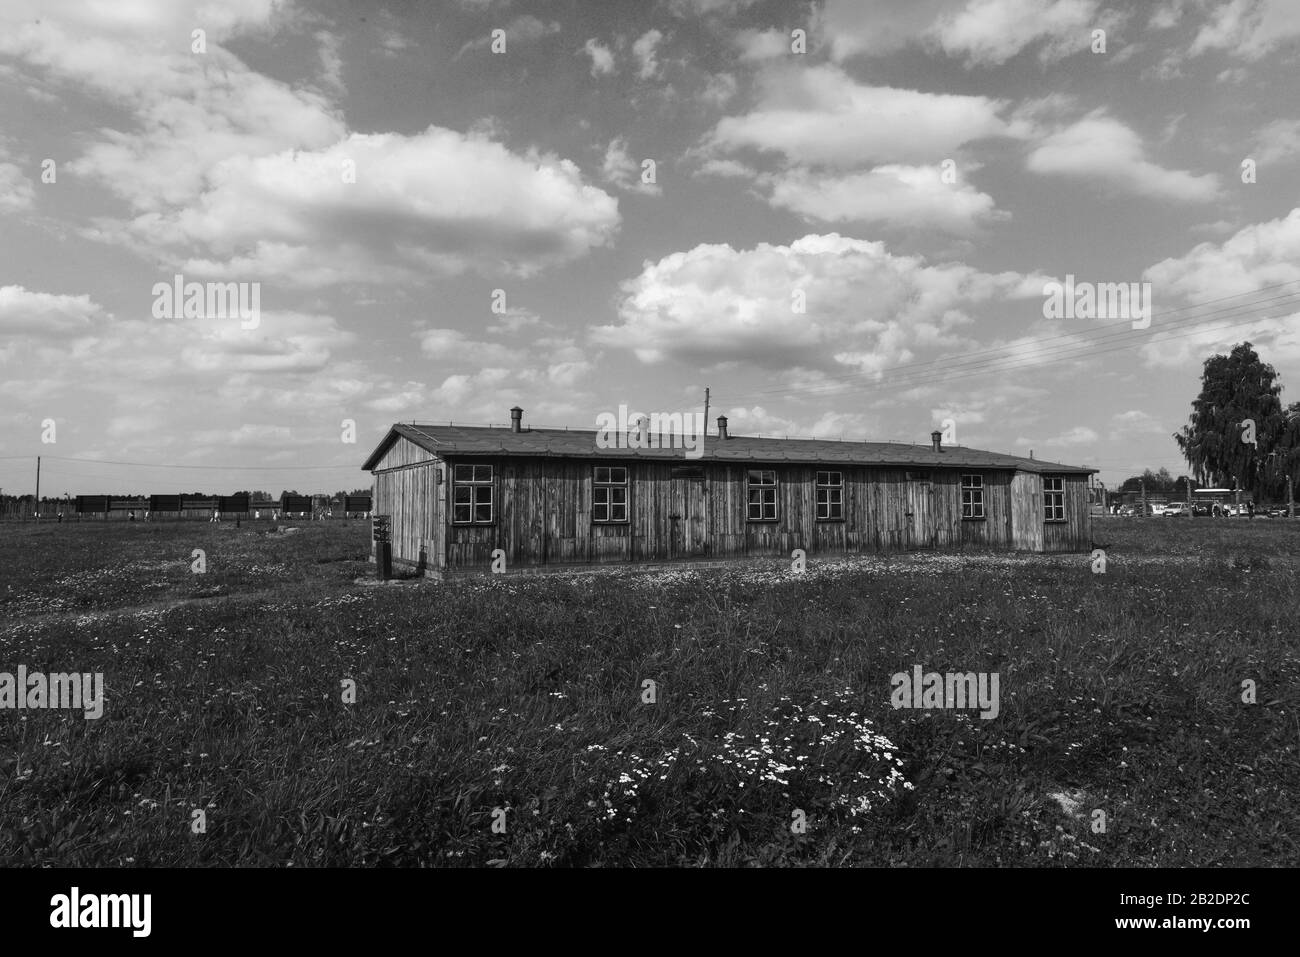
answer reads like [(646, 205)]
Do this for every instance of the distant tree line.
[(258, 496), (1157, 483)]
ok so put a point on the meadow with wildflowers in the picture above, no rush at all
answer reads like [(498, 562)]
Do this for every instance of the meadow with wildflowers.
[(694, 716)]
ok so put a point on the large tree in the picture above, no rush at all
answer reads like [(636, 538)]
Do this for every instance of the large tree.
[(1282, 459), (1237, 390)]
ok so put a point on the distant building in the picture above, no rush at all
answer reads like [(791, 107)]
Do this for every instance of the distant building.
[(1218, 495)]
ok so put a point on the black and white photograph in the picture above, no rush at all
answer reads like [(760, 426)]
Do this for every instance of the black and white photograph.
[(636, 436)]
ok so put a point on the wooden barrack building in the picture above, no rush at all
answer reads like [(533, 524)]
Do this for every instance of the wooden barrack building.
[(456, 494)]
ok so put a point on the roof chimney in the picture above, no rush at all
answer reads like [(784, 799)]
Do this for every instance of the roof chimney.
[(516, 418), (722, 427), (936, 439)]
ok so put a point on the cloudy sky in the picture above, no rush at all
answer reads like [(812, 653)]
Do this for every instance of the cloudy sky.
[(839, 215)]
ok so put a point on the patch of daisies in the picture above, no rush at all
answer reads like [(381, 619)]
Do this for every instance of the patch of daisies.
[(821, 757)]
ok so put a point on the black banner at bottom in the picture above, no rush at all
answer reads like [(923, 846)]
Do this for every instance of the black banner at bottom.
[(339, 907)]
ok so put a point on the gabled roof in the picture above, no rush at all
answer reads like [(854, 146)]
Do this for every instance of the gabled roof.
[(481, 442)]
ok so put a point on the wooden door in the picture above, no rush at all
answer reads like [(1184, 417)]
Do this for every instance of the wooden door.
[(920, 513), (686, 518)]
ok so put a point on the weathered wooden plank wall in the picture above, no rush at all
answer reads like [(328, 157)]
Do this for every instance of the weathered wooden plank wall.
[(544, 514), (404, 452), (1075, 533), (410, 494), (994, 531)]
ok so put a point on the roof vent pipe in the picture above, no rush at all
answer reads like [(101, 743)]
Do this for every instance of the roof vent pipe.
[(722, 427), (936, 438), (516, 419)]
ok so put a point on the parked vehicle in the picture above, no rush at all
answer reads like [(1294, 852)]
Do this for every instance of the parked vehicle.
[(1200, 508), (1128, 511), (1177, 509)]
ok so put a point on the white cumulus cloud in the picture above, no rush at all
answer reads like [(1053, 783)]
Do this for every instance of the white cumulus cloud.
[(1100, 147)]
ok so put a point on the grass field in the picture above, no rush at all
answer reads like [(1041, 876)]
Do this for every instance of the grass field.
[(522, 702)]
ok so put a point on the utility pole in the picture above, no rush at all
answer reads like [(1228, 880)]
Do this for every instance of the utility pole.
[(1290, 499), (1144, 498), (706, 410), (38, 486)]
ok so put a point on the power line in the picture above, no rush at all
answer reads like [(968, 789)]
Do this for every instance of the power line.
[(1101, 333), (1022, 362), (1226, 319), (211, 468), (921, 374), (1011, 362), (936, 370), (1025, 362)]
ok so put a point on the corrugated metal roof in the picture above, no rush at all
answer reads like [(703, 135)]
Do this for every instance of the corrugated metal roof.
[(560, 443)]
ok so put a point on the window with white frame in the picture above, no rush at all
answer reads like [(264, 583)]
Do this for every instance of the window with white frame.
[(609, 495), (471, 495), (830, 496), (1053, 498), (762, 496), (972, 496)]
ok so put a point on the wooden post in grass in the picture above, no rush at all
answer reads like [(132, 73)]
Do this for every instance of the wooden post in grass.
[(381, 533), (1290, 500), (1144, 498)]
